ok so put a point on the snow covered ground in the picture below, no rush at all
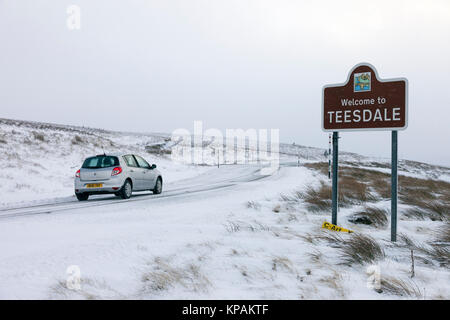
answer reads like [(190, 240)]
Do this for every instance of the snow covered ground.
[(215, 233)]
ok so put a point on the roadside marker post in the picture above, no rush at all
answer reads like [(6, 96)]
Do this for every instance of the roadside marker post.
[(365, 103)]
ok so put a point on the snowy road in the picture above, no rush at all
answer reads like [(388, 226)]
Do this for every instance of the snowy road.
[(216, 178)]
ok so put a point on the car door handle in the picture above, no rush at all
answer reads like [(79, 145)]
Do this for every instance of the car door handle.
[(131, 170)]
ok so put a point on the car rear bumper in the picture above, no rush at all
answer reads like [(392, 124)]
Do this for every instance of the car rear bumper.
[(112, 185)]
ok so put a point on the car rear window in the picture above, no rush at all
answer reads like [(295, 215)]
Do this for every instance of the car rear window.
[(100, 162)]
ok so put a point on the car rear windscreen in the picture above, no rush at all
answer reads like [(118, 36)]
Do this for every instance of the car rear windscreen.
[(100, 162)]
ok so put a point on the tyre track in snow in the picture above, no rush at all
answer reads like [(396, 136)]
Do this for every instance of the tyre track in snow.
[(180, 188)]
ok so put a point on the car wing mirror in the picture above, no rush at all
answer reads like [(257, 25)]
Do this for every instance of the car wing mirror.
[(153, 166)]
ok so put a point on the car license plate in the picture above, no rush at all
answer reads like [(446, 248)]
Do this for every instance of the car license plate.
[(94, 185)]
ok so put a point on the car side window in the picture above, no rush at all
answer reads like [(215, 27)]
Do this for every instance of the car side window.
[(141, 162), (129, 160)]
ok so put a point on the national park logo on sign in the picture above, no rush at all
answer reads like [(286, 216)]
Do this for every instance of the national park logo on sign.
[(362, 82)]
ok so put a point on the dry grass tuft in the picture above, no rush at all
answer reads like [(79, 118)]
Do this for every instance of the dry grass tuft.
[(38, 136), (316, 256), (253, 205), (164, 276), (356, 184), (399, 287), (77, 140), (432, 211), (443, 234), (317, 199), (355, 248), (371, 216), (232, 226), (361, 249), (436, 252), (283, 262), (430, 195)]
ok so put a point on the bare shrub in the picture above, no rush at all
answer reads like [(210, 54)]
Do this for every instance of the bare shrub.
[(371, 216), (398, 287)]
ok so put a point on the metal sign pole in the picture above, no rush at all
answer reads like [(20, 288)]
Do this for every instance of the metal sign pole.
[(394, 187), (334, 192), (329, 156)]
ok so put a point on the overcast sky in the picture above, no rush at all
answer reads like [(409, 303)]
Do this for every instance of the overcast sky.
[(155, 66)]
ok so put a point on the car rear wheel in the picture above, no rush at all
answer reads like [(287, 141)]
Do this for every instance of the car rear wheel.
[(82, 196), (158, 186), (126, 191)]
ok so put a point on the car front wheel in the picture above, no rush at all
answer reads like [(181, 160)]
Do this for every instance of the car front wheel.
[(158, 186)]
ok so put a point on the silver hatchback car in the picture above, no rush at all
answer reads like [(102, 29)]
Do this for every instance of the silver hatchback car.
[(118, 174)]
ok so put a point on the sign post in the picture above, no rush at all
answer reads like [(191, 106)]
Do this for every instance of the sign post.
[(394, 187), (334, 190), (366, 102)]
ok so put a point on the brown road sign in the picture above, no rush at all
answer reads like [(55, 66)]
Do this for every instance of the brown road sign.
[(365, 102)]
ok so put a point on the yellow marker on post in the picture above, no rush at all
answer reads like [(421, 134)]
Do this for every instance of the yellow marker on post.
[(330, 226)]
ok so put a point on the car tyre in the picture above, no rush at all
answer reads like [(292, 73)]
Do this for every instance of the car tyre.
[(158, 186), (82, 196), (127, 190)]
